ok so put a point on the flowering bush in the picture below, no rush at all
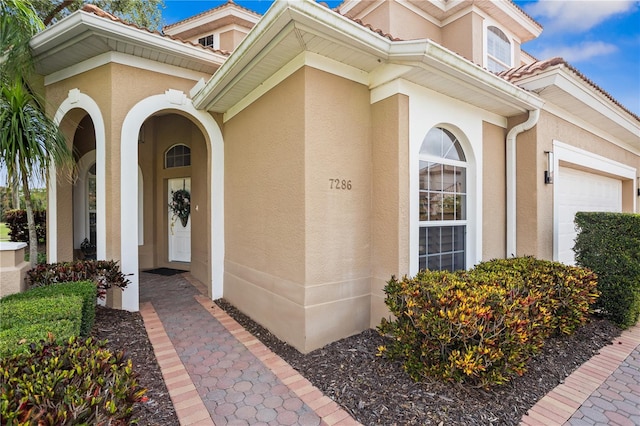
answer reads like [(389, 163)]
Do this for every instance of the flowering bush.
[(180, 205)]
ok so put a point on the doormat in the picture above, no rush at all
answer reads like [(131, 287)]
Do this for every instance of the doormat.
[(167, 272)]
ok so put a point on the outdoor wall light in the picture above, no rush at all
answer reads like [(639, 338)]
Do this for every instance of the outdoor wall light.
[(548, 174), (638, 186)]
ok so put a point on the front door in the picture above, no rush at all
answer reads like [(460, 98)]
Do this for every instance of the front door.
[(179, 232)]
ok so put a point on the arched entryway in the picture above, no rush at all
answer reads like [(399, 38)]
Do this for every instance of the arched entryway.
[(149, 132), (77, 209)]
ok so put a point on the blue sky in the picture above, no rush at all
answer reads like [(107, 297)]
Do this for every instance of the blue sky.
[(601, 38)]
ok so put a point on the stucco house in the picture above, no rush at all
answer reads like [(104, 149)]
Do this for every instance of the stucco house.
[(326, 150)]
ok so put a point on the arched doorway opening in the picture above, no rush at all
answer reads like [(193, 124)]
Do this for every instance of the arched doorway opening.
[(173, 159), (152, 127)]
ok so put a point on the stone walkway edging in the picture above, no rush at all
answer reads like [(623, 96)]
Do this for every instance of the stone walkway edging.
[(559, 405), (329, 411), (189, 407)]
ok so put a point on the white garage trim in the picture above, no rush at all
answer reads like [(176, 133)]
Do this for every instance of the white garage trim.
[(596, 164)]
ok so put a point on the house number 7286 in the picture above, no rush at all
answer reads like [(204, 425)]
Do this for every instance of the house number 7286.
[(340, 184)]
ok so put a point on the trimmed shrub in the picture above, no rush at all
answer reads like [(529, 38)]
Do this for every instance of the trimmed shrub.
[(22, 338), (86, 290), (479, 334), (80, 382), (103, 273), (567, 292), (40, 310), (19, 229), (609, 244)]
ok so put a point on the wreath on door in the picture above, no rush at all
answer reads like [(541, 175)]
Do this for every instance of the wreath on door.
[(180, 205)]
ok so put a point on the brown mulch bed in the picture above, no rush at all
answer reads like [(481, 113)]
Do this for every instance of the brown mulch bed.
[(372, 389), (125, 330)]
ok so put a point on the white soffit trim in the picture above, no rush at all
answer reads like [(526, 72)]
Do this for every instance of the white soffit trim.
[(123, 59), (80, 25), (407, 88), (447, 63), (309, 59), (560, 78)]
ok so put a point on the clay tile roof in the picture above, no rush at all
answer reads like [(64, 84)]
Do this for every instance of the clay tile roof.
[(525, 13), (95, 10), (514, 74), (375, 30), (191, 18)]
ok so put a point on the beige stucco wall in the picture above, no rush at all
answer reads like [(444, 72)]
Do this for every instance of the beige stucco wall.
[(13, 268), (337, 221), (390, 198), (458, 37), (493, 192), (297, 251), (264, 210), (229, 40), (402, 23)]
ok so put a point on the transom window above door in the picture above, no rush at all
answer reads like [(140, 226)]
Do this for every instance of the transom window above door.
[(442, 202), (177, 156)]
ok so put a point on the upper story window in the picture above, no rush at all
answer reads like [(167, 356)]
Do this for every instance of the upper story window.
[(206, 41), (498, 50), (177, 156)]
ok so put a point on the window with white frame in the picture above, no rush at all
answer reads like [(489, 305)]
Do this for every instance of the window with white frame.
[(207, 41), (177, 156), (498, 50), (443, 202)]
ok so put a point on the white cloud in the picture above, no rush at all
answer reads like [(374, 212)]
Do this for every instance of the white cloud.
[(580, 52), (577, 15)]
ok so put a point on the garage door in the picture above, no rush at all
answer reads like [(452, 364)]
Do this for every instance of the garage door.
[(580, 191)]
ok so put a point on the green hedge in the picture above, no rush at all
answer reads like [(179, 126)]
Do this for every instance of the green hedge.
[(26, 337), (482, 326), (16, 313), (84, 289), (609, 244)]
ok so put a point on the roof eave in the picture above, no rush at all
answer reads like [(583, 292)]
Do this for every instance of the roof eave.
[(81, 25), (285, 16), (574, 88)]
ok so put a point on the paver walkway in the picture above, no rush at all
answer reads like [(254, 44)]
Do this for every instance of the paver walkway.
[(603, 391), (219, 374), (216, 372)]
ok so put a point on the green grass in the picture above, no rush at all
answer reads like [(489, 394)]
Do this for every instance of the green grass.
[(4, 232)]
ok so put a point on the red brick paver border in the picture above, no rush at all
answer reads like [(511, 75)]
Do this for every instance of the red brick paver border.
[(330, 412), (559, 405), (187, 402)]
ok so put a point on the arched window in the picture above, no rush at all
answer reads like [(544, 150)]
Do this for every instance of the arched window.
[(177, 156), (498, 50), (443, 202)]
